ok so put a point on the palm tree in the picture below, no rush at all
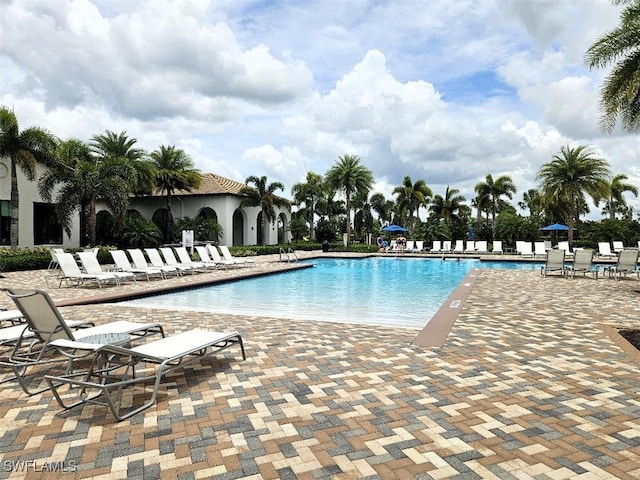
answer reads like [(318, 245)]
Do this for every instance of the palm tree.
[(263, 196), (383, 207), (349, 176), (410, 197), (616, 202), (174, 171), (82, 179), (309, 193), (532, 201), (566, 179), (25, 150), (448, 208), (117, 158), (620, 93), (492, 190)]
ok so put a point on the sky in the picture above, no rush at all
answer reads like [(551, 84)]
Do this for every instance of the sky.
[(446, 91)]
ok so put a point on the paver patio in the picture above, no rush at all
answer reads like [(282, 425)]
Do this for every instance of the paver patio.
[(533, 381)]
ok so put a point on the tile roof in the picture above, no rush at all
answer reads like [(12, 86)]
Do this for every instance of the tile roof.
[(212, 184)]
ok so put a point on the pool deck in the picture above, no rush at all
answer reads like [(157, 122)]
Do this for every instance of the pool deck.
[(532, 382)]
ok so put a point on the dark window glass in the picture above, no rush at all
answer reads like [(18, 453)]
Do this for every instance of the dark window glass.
[(46, 228), (5, 222)]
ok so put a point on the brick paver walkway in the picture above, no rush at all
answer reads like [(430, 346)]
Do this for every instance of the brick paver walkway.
[(533, 382)]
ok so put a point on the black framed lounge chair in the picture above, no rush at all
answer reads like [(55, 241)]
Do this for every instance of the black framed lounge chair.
[(554, 263), (48, 339), (115, 369), (583, 263), (627, 264)]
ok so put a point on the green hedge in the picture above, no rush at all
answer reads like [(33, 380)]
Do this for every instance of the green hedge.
[(24, 259)]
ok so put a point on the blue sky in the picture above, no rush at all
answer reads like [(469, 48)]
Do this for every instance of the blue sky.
[(446, 91)]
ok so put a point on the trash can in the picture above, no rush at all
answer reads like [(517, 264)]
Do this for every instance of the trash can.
[(325, 246)]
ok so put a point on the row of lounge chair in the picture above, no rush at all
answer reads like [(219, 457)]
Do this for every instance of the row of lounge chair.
[(138, 264), (470, 247), (627, 264), (113, 352)]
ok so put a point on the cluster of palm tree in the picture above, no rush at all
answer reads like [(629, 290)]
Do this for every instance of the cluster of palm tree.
[(567, 182), (109, 168)]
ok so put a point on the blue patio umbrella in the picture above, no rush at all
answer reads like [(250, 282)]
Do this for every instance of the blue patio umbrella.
[(556, 227), (394, 228)]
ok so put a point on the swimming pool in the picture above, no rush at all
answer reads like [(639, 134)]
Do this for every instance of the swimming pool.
[(398, 292)]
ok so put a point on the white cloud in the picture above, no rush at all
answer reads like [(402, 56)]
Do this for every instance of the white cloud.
[(444, 91)]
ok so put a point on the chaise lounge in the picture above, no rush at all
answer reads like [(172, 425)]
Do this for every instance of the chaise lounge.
[(113, 369)]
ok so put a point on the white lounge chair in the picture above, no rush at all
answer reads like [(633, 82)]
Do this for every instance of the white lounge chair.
[(122, 263), (215, 254), (409, 246), (526, 250), (481, 247), (618, 246), (71, 273), (226, 254), (539, 249), (47, 338), (139, 260), (166, 355), (185, 259), (436, 246), (554, 263), (459, 247), (53, 264), (471, 247), (497, 247), (568, 253), (91, 265), (11, 316), (604, 250), (419, 246), (171, 260), (156, 261), (446, 246), (205, 258)]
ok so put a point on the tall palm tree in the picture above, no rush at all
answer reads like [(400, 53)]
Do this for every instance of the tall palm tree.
[(532, 201), (309, 193), (81, 179), (616, 202), (117, 157), (174, 171), (448, 208), (620, 93), (263, 195), (569, 176), (383, 207), (410, 197), (349, 176), (25, 149), (494, 190)]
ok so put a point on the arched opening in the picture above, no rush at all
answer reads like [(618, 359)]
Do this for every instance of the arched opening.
[(238, 228), (104, 228), (163, 220), (282, 228), (208, 214)]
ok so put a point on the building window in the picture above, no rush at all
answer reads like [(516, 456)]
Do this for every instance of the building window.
[(5, 222), (46, 228)]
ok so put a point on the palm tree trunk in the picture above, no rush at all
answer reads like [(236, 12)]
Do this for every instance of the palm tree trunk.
[(91, 222), (612, 213), (15, 202), (348, 205)]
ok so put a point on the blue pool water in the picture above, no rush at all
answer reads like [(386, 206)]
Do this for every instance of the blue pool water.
[(399, 292)]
